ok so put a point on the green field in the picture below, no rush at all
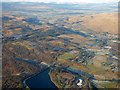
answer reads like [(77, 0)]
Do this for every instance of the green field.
[(108, 84), (67, 56)]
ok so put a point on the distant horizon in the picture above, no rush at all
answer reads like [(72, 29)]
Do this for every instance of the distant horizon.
[(64, 1)]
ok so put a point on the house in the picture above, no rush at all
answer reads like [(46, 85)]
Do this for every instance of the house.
[(80, 83)]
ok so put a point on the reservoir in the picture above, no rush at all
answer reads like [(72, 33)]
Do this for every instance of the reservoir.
[(41, 80)]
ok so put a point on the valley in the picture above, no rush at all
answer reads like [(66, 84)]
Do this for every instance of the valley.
[(80, 47)]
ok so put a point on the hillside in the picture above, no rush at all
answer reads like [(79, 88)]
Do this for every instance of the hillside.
[(76, 41), (104, 22)]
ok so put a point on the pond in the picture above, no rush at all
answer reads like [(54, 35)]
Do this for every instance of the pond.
[(56, 49), (17, 36), (95, 44), (41, 80)]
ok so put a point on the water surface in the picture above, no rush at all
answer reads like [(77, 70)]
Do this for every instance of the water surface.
[(42, 80)]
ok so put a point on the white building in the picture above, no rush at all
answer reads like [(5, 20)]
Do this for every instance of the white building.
[(80, 83)]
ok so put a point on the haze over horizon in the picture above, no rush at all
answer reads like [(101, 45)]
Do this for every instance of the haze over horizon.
[(60, 43), (64, 1)]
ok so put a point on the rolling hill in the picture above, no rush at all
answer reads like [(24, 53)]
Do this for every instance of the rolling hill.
[(104, 22)]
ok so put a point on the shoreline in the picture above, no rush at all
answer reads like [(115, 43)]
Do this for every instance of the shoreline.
[(24, 81), (26, 86), (53, 81)]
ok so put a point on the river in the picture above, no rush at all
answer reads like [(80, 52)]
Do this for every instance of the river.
[(41, 80)]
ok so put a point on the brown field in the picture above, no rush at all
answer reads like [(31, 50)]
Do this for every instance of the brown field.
[(105, 22)]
